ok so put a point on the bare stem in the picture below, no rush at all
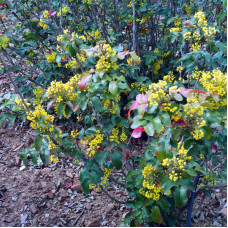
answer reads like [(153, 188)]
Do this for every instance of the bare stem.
[(14, 84)]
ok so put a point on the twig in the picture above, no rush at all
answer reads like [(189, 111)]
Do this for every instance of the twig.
[(14, 84), (111, 197), (75, 222), (134, 26), (79, 63)]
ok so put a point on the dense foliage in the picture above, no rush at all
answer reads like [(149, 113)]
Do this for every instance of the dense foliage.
[(105, 78)]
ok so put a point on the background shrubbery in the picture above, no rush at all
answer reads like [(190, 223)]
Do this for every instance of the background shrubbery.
[(104, 75)]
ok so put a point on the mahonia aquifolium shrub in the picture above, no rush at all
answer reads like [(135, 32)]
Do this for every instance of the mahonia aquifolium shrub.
[(103, 79)]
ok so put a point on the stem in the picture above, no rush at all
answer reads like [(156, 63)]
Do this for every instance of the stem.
[(14, 84), (134, 26), (111, 197)]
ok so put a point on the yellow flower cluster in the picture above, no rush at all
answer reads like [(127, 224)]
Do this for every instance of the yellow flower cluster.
[(104, 63), (156, 50), (175, 30), (4, 42), (110, 106), (196, 42), (178, 28), (54, 158), (193, 113), (115, 136), (87, 1), (104, 179), (38, 93), (95, 34), (177, 163), (157, 65), (142, 87), (43, 20), (169, 77), (200, 19), (158, 93), (38, 115), (20, 103), (73, 64), (74, 133), (65, 10), (51, 57), (93, 141), (130, 62), (187, 8), (215, 83), (179, 69), (63, 91), (151, 186), (209, 32)]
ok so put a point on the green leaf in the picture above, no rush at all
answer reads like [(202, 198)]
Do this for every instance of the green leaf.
[(116, 159), (113, 87), (207, 132), (149, 129), (85, 185), (38, 142), (24, 155), (156, 215), (72, 50), (44, 155), (180, 196), (60, 109), (132, 173), (34, 156), (97, 103), (16, 67), (157, 123), (138, 123), (11, 119), (165, 118)]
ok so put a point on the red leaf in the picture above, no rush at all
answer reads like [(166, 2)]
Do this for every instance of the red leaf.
[(179, 122), (137, 133), (50, 104), (52, 13), (69, 185), (64, 59), (214, 146), (123, 47), (187, 24), (115, 28), (85, 78), (197, 91), (134, 106)]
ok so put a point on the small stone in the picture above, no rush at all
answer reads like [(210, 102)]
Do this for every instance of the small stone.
[(23, 195), (224, 212), (43, 184), (92, 223), (50, 195), (59, 199), (46, 171), (88, 206), (17, 161), (124, 215), (14, 198), (53, 191), (33, 208), (77, 188), (68, 174), (63, 193)]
